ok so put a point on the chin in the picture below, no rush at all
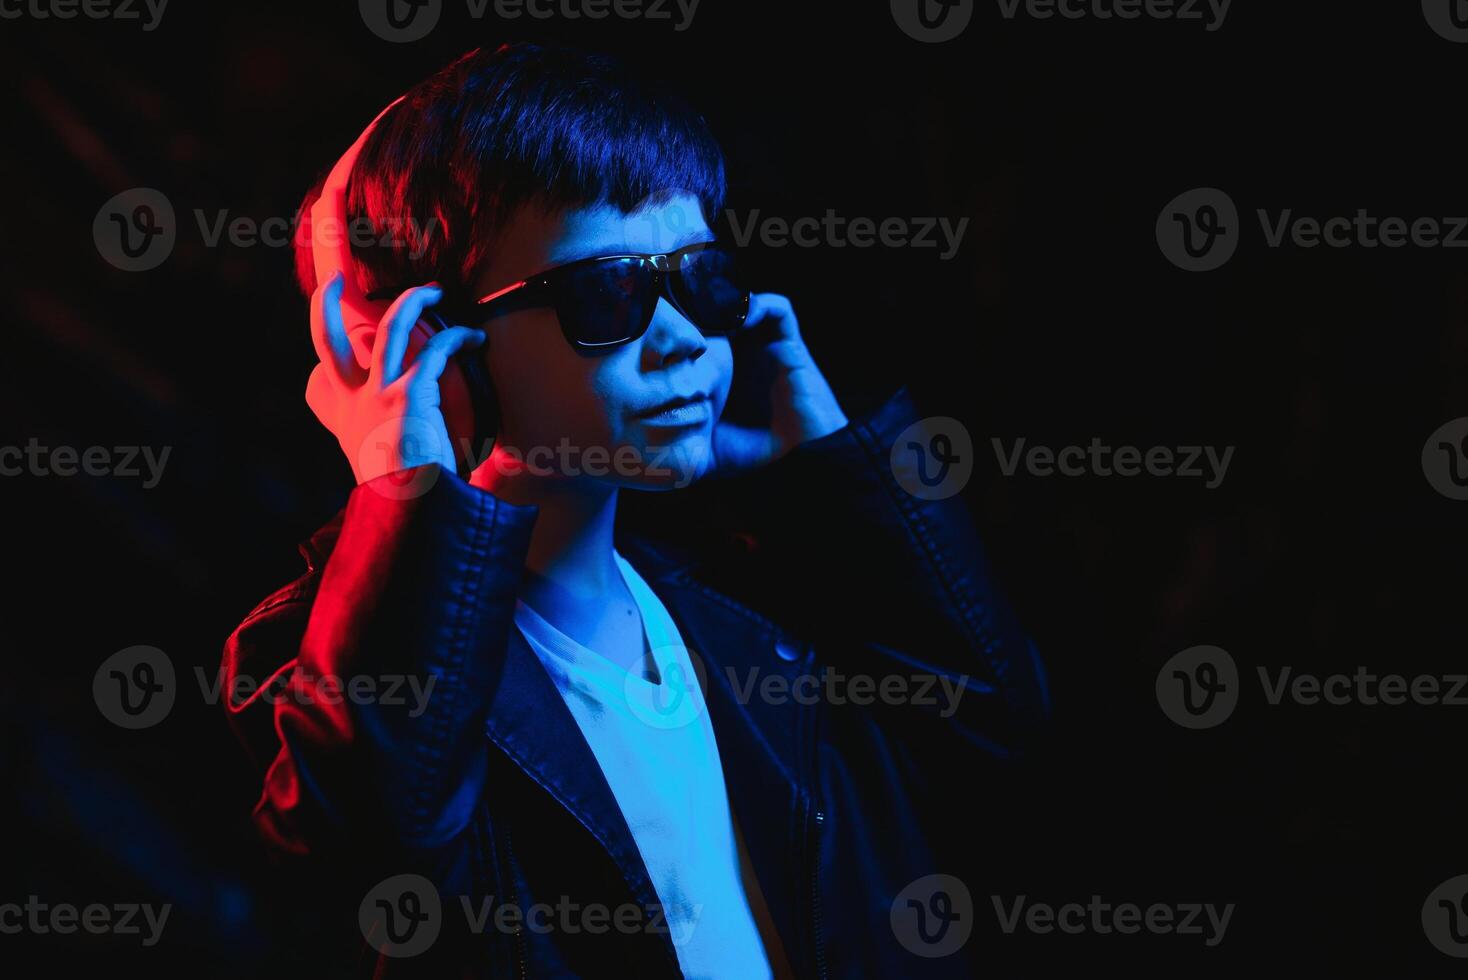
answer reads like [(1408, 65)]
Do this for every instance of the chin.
[(673, 459)]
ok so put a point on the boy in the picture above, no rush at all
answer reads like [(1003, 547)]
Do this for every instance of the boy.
[(604, 733)]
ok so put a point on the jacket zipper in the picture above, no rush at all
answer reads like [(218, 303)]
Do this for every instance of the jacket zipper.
[(815, 893), (521, 960), (813, 830)]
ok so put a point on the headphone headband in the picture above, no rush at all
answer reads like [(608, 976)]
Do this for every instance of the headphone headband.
[(331, 249)]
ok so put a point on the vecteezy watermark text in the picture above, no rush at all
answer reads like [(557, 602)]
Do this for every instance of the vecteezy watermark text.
[(935, 21), (402, 917), (405, 21), (122, 919), (34, 459), (1102, 918), (390, 447), (836, 231), (150, 12), (1099, 459), (303, 687), (1210, 12), (832, 686)]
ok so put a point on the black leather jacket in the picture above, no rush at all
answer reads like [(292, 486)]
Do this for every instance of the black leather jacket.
[(492, 791)]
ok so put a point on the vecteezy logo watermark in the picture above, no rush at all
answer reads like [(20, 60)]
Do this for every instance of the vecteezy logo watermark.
[(404, 21), (1445, 917), (137, 230), (151, 13), (1445, 459), (932, 21), (400, 21), (673, 697), (835, 231), (1102, 918), (933, 458), (403, 915), (1179, 10), (933, 916), (37, 460), (1200, 229), (1449, 18), (1199, 687), (1099, 459), (39, 918), (135, 688)]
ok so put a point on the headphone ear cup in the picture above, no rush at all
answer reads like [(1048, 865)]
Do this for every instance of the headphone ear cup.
[(483, 401)]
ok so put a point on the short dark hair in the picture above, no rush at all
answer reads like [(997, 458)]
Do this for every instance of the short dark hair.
[(495, 130)]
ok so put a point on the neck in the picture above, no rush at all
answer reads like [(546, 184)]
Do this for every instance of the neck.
[(570, 558)]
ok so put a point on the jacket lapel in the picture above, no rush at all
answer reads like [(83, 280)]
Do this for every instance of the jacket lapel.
[(529, 721)]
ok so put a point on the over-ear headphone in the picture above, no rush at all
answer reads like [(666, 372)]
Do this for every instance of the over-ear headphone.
[(466, 395)]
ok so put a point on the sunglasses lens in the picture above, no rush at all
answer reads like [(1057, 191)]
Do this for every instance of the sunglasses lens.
[(708, 290), (607, 303)]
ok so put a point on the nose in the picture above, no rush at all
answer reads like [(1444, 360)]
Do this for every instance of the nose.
[(671, 338)]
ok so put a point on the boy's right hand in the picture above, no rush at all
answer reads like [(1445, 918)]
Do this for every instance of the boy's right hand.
[(386, 418)]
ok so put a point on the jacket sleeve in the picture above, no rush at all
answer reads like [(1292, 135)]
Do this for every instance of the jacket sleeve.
[(888, 584), (377, 677)]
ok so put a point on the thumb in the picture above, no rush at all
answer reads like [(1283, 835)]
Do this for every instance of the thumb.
[(319, 396)]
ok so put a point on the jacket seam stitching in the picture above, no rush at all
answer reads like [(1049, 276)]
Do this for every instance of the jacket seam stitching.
[(428, 755)]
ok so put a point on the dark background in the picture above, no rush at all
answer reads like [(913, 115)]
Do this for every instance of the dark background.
[(1059, 320)]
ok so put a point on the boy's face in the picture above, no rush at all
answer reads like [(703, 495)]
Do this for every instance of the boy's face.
[(557, 403)]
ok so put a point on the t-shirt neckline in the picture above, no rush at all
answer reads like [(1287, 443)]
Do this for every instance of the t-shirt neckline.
[(582, 659)]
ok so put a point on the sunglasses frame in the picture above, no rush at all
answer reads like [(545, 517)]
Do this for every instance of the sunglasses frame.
[(539, 291)]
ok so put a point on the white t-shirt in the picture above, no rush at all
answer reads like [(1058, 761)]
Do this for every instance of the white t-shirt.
[(656, 748)]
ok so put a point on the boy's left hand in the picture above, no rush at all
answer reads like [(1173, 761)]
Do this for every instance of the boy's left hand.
[(802, 405)]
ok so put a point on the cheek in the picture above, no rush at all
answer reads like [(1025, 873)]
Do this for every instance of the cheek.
[(547, 391), (720, 356)]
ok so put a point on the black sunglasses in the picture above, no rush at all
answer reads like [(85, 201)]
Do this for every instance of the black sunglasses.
[(608, 301)]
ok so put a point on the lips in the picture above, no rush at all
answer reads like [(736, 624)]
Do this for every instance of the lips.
[(684, 409)]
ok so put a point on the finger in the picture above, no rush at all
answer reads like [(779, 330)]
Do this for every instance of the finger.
[(740, 447), (329, 335), (773, 313), (772, 317), (395, 329), (434, 357)]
